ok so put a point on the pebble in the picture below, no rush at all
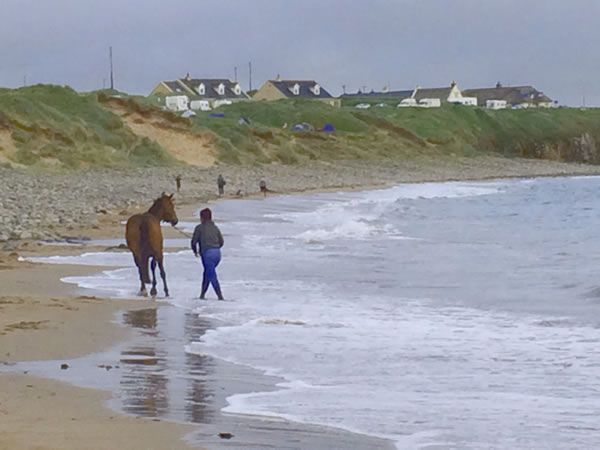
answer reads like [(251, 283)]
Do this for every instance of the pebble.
[(36, 205)]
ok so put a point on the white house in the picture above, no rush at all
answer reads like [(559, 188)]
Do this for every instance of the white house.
[(177, 102), (212, 90)]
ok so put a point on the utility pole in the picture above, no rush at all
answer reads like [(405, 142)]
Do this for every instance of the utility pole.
[(112, 81), (24, 80), (344, 88), (250, 75), (235, 74)]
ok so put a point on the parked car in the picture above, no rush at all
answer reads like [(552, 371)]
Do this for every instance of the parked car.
[(202, 105), (218, 103), (363, 106)]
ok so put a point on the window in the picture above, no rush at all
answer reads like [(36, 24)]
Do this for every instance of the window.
[(237, 89), (296, 89), (316, 89), (201, 89), (221, 89)]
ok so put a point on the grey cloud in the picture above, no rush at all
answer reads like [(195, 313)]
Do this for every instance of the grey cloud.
[(548, 43)]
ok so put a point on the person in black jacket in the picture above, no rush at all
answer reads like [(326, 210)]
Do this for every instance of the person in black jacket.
[(206, 243)]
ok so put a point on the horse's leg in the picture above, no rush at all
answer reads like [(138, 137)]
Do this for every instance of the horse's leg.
[(153, 267), (163, 275), (142, 292)]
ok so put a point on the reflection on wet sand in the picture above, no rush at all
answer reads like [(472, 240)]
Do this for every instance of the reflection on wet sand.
[(158, 379)]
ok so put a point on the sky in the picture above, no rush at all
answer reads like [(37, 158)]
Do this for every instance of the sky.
[(550, 44)]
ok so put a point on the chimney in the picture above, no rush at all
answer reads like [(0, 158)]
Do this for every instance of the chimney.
[(498, 85), (278, 78), (188, 77), (453, 84)]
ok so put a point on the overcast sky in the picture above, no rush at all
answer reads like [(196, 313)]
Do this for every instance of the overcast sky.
[(551, 44)]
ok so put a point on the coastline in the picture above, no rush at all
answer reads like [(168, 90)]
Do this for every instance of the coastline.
[(45, 319), (47, 323)]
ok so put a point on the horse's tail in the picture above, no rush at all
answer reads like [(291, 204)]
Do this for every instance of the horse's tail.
[(144, 254)]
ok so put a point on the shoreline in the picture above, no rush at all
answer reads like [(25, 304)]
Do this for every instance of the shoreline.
[(69, 205), (21, 374), (37, 295)]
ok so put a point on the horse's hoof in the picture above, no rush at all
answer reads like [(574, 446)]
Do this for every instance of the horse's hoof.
[(143, 294), (153, 292), (166, 295)]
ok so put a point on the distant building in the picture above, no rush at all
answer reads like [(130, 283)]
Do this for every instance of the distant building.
[(514, 96), (214, 91), (445, 94), (399, 95), (279, 89), (450, 94)]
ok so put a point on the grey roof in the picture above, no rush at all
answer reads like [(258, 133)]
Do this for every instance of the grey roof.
[(441, 93), (393, 94), (286, 86), (211, 85), (513, 95), (175, 87)]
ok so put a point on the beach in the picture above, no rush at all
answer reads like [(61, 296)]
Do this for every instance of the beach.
[(44, 319)]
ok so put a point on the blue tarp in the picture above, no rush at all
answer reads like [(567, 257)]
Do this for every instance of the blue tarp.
[(217, 115), (328, 128)]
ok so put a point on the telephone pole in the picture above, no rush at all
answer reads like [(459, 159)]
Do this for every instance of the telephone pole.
[(112, 81), (250, 74), (235, 74)]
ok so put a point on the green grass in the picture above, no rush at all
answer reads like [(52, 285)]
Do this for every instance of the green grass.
[(56, 126)]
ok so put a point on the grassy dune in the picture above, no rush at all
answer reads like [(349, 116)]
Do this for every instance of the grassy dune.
[(56, 126), (52, 126)]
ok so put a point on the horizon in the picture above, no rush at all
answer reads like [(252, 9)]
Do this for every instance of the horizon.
[(359, 45)]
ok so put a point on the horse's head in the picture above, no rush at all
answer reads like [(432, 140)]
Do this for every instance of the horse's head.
[(164, 209)]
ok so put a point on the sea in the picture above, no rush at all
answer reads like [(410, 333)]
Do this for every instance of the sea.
[(436, 315)]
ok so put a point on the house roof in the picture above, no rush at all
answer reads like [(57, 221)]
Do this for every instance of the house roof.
[(394, 94), (211, 87), (441, 93), (189, 86), (175, 86), (513, 95), (286, 86)]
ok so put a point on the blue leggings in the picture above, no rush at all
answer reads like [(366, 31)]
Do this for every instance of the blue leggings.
[(211, 258)]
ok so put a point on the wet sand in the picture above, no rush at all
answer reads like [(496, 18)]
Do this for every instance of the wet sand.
[(117, 398)]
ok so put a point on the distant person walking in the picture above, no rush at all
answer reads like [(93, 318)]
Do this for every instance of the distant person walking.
[(178, 182), (221, 184), (206, 243), (263, 187)]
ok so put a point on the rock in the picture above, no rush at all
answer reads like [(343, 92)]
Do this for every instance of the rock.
[(64, 366), (225, 435), (26, 235)]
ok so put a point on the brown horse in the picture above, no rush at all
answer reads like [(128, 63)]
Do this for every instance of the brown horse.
[(144, 239)]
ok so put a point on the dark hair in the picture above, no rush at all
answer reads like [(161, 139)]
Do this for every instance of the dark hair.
[(206, 214)]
